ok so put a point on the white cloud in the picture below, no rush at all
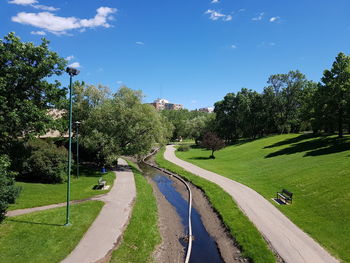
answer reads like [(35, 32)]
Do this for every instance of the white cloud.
[(60, 25), (23, 2), (215, 15), (215, 1), (40, 33), (46, 8), (274, 19), (241, 10), (140, 43), (119, 82), (259, 17), (75, 65), (69, 58), (267, 44), (233, 46), (33, 3), (193, 101)]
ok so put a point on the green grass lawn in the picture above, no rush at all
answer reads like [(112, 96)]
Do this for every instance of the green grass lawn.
[(42, 237), (142, 234), (315, 169), (247, 236), (36, 194)]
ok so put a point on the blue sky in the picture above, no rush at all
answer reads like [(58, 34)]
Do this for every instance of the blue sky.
[(189, 52)]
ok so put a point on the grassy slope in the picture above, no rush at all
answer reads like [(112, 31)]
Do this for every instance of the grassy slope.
[(247, 236), (142, 234), (35, 194), (41, 236), (316, 170)]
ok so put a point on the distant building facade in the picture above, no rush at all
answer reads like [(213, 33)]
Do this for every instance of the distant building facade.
[(207, 109), (163, 104)]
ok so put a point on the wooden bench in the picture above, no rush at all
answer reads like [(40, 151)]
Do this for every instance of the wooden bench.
[(285, 196), (101, 183)]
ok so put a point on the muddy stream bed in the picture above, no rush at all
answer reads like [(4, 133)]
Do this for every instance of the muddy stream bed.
[(212, 242)]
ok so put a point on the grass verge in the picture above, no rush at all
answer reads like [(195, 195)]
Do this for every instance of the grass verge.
[(36, 194), (42, 237), (142, 234), (315, 169), (247, 236)]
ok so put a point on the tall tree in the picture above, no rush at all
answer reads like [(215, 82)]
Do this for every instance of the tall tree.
[(26, 95), (287, 90), (124, 125), (334, 91)]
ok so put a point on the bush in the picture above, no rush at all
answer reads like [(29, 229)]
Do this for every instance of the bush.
[(8, 191), (184, 148), (46, 162)]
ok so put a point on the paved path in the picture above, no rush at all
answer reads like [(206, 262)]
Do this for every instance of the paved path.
[(110, 223), (290, 242), (23, 211)]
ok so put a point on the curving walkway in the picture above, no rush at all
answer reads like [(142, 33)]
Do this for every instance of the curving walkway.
[(109, 225), (290, 242)]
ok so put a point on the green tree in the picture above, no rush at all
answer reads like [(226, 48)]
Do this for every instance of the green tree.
[(334, 93), (124, 126), (8, 190), (287, 94), (26, 95)]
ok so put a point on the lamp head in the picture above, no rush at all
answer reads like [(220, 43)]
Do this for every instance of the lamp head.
[(72, 71)]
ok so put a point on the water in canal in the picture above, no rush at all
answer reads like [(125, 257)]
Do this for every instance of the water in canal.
[(204, 248)]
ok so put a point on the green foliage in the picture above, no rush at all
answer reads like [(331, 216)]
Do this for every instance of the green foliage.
[(244, 232), (184, 148), (284, 106), (315, 169), (142, 234), (333, 109), (187, 124), (25, 94), (123, 125), (8, 191), (41, 237), (45, 162)]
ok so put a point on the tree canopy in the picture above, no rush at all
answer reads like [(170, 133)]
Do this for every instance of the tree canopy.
[(25, 92)]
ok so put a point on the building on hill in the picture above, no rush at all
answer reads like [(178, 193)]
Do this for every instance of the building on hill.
[(207, 109), (163, 104)]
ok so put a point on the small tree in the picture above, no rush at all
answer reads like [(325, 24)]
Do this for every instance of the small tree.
[(212, 142)]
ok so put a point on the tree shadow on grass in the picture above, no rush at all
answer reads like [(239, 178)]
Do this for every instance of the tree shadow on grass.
[(201, 158), (33, 223), (316, 147), (291, 140)]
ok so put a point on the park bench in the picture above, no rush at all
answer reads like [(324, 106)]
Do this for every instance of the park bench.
[(101, 183), (285, 196)]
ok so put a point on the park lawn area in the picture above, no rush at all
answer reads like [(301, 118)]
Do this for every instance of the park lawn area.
[(142, 234), (315, 169), (252, 244), (36, 194), (42, 237)]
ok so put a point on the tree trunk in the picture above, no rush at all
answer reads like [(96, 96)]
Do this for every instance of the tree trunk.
[(212, 154), (340, 123)]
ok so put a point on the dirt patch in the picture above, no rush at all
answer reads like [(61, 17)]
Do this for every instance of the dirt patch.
[(171, 230)]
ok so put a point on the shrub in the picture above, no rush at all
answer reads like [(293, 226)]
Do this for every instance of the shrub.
[(184, 148), (46, 162), (8, 190)]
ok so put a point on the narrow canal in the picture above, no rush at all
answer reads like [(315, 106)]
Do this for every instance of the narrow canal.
[(204, 248)]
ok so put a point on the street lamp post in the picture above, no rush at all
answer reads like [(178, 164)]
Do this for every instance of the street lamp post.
[(77, 138), (72, 72)]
